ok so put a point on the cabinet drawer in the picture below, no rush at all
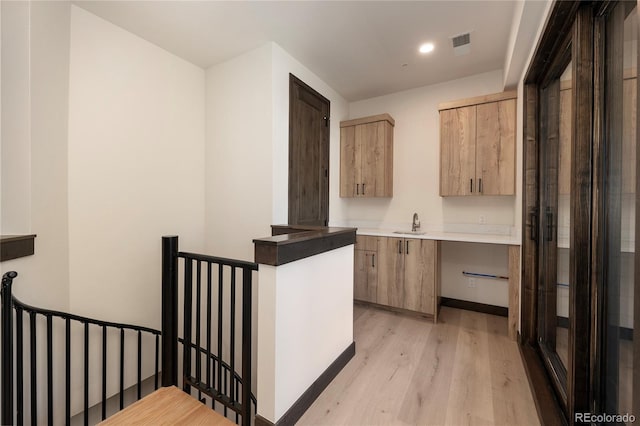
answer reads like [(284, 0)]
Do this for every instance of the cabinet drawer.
[(366, 242)]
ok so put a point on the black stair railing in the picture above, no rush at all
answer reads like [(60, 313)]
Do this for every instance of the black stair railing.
[(15, 346), (209, 367), (217, 294)]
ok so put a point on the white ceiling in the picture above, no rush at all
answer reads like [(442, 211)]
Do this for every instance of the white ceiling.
[(357, 47)]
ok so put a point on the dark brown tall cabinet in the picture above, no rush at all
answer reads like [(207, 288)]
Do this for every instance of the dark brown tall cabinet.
[(580, 325)]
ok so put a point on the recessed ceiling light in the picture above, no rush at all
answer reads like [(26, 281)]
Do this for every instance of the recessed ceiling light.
[(426, 48)]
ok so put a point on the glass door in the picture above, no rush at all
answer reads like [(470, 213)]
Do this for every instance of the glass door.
[(555, 198), (581, 249), (619, 206)]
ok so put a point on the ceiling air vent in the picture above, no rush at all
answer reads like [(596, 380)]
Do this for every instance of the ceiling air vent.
[(461, 44)]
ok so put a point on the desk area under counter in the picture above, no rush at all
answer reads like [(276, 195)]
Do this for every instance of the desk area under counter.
[(403, 271)]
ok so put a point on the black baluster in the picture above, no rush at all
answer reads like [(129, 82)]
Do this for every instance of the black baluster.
[(19, 367), (86, 373), (104, 372), (121, 368), (226, 388), (246, 347), (220, 294), (34, 372), (139, 364), (188, 318), (67, 373), (198, 354), (155, 383), (49, 371), (209, 331), (232, 325)]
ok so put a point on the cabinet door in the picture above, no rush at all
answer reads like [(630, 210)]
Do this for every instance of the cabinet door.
[(366, 276), (457, 151), (496, 147), (349, 162), (420, 275), (370, 142), (391, 272)]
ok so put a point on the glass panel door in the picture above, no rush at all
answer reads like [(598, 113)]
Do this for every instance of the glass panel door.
[(620, 210), (555, 199)]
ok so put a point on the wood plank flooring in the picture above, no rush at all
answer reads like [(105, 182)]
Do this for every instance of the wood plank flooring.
[(408, 371)]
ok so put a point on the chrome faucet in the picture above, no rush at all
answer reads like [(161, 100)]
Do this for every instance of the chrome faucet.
[(416, 223)]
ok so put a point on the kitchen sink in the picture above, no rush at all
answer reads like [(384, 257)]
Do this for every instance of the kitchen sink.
[(410, 232)]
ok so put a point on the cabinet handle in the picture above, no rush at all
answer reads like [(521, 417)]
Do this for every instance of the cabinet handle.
[(480, 185), (471, 185), (400, 247), (357, 189), (363, 189), (373, 260), (549, 224), (407, 250), (533, 218)]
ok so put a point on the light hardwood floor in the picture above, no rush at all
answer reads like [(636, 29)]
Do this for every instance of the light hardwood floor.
[(408, 371)]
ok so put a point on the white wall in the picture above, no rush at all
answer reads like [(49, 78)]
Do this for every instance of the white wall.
[(247, 149), (136, 167), (15, 150), (238, 154), (34, 138), (489, 259)]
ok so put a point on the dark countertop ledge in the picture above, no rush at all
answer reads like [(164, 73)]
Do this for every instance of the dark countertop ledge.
[(292, 242), (16, 246)]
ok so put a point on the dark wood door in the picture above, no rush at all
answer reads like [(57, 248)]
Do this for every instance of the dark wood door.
[(308, 155)]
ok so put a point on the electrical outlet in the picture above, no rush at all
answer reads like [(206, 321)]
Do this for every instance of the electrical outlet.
[(482, 220), (471, 282)]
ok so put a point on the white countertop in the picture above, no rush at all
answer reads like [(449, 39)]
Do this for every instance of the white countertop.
[(445, 236)]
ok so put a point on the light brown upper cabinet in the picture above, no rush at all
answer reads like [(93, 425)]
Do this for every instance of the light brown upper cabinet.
[(478, 145), (366, 157)]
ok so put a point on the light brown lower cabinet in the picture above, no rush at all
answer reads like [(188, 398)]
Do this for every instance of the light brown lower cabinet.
[(391, 272), (365, 284), (397, 272), (420, 275)]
